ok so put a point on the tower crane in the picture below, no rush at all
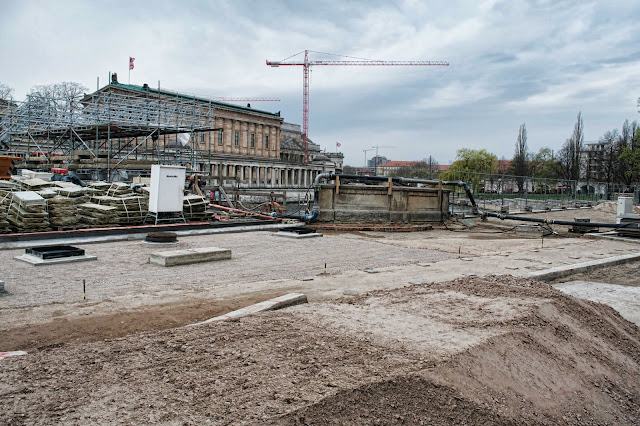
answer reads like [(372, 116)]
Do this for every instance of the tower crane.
[(306, 65), (365, 155), (375, 164)]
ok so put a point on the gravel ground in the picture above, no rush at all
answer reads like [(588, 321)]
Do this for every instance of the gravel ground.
[(122, 268)]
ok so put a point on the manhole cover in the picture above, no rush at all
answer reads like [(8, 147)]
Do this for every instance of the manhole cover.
[(161, 237)]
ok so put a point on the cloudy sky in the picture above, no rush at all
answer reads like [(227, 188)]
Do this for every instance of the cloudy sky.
[(511, 62)]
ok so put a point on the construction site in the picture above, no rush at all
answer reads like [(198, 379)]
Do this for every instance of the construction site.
[(174, 259)]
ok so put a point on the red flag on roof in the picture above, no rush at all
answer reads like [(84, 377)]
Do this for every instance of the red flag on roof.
[(131, 62), (338, 144)]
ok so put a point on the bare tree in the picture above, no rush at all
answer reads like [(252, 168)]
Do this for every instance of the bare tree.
[(569, 155), (609, 158), (59, 95), (6, 92), (520, 162)]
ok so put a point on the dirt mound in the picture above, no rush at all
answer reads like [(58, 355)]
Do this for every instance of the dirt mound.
[(495, 350), (607, 207), (400, 400)]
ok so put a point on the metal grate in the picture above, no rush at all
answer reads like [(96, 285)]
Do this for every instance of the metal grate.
[(54, 252)]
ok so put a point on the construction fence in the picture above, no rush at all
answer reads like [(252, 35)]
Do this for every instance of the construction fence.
[(495, 191)]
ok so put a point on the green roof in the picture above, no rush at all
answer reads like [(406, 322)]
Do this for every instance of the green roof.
[(191, 97)]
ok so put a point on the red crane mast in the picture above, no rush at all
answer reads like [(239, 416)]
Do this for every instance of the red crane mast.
[(306, 65)]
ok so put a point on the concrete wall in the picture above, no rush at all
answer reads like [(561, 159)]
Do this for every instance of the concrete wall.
[(381, 204)]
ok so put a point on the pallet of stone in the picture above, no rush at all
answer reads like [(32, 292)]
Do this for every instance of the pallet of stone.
[(63, 211), (28, 211), (75, 191), (96, 214), (194, 207), (34, 184), (98, 187), (119, 188), (7, 185), (131, 210), (5, 200), (145, 191)]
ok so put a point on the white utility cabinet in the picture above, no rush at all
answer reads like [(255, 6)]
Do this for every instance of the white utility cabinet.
[(167, 188)]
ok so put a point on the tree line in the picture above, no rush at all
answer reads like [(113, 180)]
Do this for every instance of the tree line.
[(615, 159)]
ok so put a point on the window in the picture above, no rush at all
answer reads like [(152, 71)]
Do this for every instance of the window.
[(201, 137), (253, 140), (235, 138), (266, 142), (219, 137)]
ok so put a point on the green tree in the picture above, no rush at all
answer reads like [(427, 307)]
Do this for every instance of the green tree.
[(543, 164), (627, 153), (470, 161)]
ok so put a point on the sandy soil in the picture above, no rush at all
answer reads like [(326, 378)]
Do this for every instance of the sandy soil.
[(496, 349), (536, 356)]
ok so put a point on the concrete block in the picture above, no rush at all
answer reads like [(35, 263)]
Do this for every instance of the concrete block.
[(189, 256), (280, 302), (529, 231), (36, 261), (297, 236)]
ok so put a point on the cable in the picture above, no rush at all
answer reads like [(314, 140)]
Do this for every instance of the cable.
[(295, 54), (342, 56)]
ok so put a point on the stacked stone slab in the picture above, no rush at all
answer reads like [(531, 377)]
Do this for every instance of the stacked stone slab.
[(130, 209), (95, 215), (119, 189), (34, 184), (63, 208), (194, 207), (98, 188), (6, 189), (28, 212), (5, 200)]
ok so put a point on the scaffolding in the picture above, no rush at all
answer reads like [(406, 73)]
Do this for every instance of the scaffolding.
[(108, 124)]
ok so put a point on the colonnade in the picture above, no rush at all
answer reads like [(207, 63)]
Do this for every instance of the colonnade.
[(262, 175)]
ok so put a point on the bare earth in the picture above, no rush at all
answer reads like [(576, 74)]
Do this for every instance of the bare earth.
[(502, 350), (476, 343)]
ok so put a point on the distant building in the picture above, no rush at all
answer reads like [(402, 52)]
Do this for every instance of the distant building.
[(594, 157), (377, 160)]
